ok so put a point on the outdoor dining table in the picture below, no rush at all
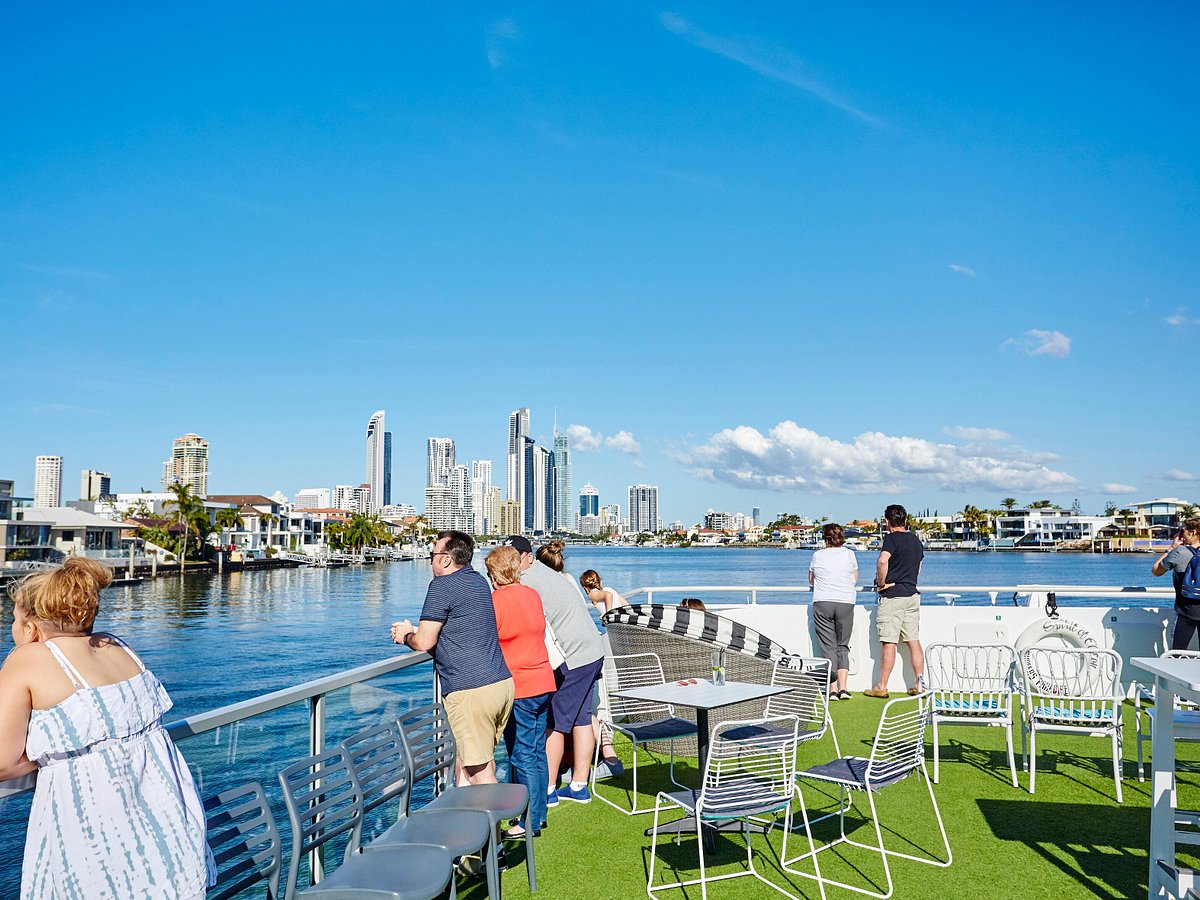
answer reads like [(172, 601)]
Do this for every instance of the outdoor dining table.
[(702, 696), (1173, 677)]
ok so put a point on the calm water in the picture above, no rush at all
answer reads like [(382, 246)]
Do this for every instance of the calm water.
[(215, 640)]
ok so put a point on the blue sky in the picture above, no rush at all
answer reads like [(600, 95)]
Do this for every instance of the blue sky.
[(812, 259)]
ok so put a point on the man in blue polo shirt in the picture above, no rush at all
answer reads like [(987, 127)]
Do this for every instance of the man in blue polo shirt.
[(458, 625)]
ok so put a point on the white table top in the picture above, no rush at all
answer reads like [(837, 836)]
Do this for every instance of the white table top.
[(1181, 674), (702, 694)]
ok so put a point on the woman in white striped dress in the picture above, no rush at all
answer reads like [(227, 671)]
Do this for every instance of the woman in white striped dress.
[(115, 813)]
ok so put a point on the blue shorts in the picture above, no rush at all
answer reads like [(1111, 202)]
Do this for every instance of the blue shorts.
[(571, 704)]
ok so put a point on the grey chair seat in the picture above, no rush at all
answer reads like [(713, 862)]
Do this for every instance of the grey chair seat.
[(727, 804), (757, 732), (460, 831), (500, 801), (850, 771), (411, 872), (659, 729)]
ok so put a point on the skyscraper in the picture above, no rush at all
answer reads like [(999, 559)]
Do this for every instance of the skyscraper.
[(377, 459), (589, 501), (481, 485), (529, 493), (564, 506), (387, 469), (643, 508), (47, 481), (94, 485), (463, 516), (439, 460), (518, 433), (188, 464), (543, 497)]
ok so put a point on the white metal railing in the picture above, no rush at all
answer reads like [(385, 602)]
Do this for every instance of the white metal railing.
[(1020, 595)]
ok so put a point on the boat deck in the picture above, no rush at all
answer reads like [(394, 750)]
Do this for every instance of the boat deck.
[(1070, 839)]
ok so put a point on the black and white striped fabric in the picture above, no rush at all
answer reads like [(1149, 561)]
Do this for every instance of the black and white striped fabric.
[(699, 625)]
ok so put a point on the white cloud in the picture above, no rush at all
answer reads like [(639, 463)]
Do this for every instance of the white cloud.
[(500, 35), (964, 270), (624, 442), (1036, 342), (1114, 487), (771, 62), (968, 433), (792, 458), (1181, 318), (583, 438), (1178, 475)]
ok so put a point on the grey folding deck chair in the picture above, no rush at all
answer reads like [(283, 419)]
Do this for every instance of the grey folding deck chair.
[(1187, 715), (639, 720), (807, 699), (324, 801), (897, 752), (431, 751), (381, 767), (1072, 691), (971, 684), (745, 780), (244, 841)]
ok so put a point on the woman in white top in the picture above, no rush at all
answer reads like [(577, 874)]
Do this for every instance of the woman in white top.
[(833, 574)]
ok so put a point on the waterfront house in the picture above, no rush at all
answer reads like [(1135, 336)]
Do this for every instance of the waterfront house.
[(75, 532)]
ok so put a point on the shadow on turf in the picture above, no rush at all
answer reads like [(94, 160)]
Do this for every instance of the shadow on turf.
[(1102, 849)]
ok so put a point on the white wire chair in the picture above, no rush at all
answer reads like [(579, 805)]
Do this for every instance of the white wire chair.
[(1187, 715), (1072, 691), (807, 698), (639, 720), (971, 684), (897, 752), (745, 780)]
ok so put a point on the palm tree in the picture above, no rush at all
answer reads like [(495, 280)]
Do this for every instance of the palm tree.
[(1009, 503), (229, 519), (268, 519), (192, 515), (359, 531)]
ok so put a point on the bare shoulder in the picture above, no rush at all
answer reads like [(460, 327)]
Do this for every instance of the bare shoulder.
[(25, 661)]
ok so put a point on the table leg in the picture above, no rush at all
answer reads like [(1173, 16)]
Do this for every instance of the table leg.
[(1162, 809)]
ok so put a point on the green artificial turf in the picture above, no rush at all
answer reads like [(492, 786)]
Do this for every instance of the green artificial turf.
[(1070, 839)]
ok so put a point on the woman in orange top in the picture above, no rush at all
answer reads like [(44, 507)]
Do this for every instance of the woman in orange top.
[(521, 622)]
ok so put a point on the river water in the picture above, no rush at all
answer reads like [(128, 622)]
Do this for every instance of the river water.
[(214, 640)]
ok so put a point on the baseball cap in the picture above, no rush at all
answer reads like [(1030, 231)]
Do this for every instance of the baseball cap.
[(519, 543)]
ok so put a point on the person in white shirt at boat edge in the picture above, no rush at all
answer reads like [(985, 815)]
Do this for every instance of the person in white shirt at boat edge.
[(1176, 560), (833, 574)]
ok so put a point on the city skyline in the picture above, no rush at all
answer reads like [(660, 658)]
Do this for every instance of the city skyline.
[(747, 259)]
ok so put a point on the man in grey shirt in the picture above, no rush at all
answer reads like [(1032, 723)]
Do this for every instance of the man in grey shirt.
[(583, 649), (1176, 560)]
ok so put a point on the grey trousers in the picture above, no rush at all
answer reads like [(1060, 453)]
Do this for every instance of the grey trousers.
[(833, 622)]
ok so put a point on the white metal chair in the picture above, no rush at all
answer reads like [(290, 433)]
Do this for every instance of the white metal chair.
[(807, 700), (745, 780), (897, 752), (1187, 715), (1072, 691), (971, 684), (640, 720)]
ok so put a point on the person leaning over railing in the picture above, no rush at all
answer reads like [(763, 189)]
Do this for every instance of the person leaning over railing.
[(115, 812)]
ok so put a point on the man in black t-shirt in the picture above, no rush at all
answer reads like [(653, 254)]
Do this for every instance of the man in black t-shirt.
[(899, 615)]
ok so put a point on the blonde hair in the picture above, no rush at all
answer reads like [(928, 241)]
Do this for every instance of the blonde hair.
[(66, 599), (591, 580), (551, 555), (504, 565)]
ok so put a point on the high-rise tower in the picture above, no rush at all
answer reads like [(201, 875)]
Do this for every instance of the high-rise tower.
[(188, 464), (376, 459), (643, 508), (589, 501), (439, 461), (518, 434), (564, 505), (47, 481)]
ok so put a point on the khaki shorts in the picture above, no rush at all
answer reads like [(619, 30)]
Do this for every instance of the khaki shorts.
[(899, 619), (477, 719)]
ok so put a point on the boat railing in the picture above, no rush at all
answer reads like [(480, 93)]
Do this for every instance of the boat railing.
[(1029, 595)]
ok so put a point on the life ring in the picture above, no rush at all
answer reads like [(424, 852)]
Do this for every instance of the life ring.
[(1070, 632)]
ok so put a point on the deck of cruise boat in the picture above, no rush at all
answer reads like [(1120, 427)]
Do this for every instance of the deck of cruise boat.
[(1070, 839)]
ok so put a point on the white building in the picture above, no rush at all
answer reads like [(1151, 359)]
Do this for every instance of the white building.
[(398, 510), (643, 508), (439, 506), (188, 464), (439, 460), (313, 498), (355, 499), (481, 486), (94, 485), (47, 481), (562, 496), (543, 498), (518, 433), (491, 517), (610, 518), (375, 459)]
